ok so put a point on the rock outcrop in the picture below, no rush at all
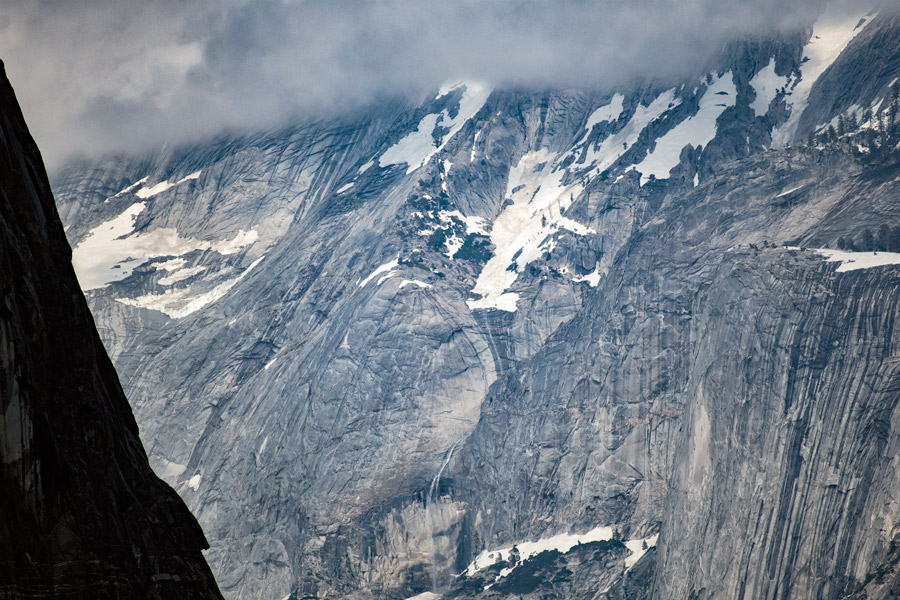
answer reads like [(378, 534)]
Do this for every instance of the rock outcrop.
[(83, 515)]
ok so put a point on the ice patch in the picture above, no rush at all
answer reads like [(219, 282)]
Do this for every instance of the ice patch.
[(344, 188), (386, 268), (180, 303), (832, 33), (419, 146), (366, 167), (766, 84), (696, 131), (854, 261)]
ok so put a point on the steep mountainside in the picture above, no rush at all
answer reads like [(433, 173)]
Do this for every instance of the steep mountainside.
[(83, 515), (519, 343)]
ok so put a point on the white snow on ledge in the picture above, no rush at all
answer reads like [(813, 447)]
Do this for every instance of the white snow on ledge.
[(179, 303), (110, 252), (148, 192), (562, 542), (415, 282), (854, 261), (387, 268)]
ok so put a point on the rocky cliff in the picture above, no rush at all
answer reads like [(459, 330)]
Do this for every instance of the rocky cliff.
[(83, 515), (518, 343)]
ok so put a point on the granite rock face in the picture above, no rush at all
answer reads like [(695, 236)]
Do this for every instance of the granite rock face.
[(374, 354), (83, 514)]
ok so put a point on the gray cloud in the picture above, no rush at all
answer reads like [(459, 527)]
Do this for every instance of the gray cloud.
[(101, 76)]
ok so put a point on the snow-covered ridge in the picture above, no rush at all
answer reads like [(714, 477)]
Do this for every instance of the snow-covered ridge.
[(416, 148), (831, 35), (698, 130)]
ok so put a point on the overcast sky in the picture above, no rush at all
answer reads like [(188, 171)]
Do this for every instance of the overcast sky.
[(101, 76)]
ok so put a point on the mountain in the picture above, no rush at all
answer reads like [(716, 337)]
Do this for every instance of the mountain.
[(621, 343), (84, 516)]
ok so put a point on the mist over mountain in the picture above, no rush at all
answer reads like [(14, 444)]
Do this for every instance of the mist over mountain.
[(97, 77), (501, 300)]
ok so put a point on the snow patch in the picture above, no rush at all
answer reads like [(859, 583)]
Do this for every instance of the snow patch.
[(344, 188), (832, 33), (611, 149), (148, 192), (766, 84), (241, 240), (610, 112), (109, 253), (366, 167), (194, 175), (132, 186), (415, 282), (698, 130), (474, 225), (179, 303), (790, 191), (854, 261), (592, 278), (194, 482), (386, 268), (562, 543), (505, 302), (171, 470), (539, 199), (637, 549), (416, 148), (181, 275)]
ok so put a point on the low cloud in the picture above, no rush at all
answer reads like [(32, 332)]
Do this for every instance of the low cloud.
[(96, 77)]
